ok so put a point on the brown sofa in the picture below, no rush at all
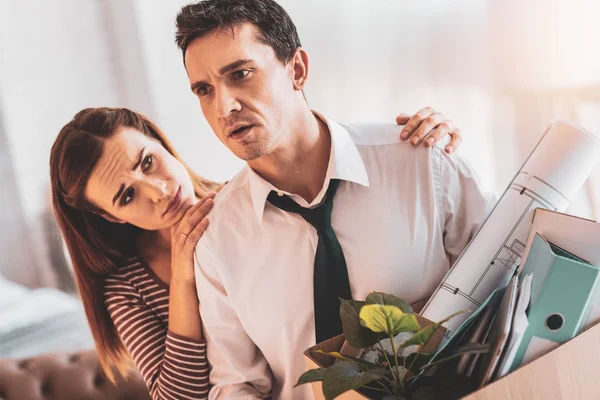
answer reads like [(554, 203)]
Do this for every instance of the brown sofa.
[(76, 376)]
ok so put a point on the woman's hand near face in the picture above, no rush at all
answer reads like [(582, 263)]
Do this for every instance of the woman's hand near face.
[(184, 237), (184, 315), (428, 126)]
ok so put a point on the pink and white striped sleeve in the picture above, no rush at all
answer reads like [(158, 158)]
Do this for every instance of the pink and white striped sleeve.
[(173, 366)]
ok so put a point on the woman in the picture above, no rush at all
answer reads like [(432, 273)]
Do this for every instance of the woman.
[(131, 214)]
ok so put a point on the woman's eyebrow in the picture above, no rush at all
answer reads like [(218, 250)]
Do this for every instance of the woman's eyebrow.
[(135, 165)]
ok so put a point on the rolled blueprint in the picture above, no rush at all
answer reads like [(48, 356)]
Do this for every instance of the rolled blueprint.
[(550, 178)]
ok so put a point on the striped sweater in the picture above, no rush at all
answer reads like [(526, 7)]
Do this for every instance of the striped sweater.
[(173, 366)]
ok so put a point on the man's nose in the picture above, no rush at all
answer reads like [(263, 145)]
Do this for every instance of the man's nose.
[(226, 102)]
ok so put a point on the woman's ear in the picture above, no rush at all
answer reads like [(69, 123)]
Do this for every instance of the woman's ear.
[(109, 217), (299, 64)]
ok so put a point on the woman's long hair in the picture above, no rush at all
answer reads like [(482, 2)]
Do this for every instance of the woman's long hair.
[(98, 247)]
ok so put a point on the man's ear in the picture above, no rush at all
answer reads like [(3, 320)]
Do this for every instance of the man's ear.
[(109, 217), (299, 64)]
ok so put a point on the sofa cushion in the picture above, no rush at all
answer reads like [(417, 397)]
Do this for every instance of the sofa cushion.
[(75, 376)]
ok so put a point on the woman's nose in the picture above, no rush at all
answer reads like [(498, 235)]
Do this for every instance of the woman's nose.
[(156, 189)]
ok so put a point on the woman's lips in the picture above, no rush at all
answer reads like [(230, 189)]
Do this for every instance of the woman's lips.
[(175, 202)]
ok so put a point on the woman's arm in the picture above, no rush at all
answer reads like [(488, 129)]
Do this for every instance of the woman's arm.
[(184, 314), (173, 366), (172, 362)]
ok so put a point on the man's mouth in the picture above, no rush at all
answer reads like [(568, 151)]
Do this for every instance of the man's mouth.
[(240, 132)]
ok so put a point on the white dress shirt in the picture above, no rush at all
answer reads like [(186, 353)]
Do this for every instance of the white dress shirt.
[(402, 215)]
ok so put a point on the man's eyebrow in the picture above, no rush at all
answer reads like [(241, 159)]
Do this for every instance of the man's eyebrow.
[(135, 166), (233, 65), (228, 68)]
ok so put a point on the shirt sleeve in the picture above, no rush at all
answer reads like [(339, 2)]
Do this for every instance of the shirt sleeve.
[(463, 205), (238, 368), (173, 366)]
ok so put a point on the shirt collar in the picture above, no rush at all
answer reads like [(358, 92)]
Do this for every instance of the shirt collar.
[(345, 163)]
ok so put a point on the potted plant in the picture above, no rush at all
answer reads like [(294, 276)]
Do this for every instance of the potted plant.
[(387, 326)]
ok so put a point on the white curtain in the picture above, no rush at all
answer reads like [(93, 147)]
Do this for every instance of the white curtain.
[(501, 69)]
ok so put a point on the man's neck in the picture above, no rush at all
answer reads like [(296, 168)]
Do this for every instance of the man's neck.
[(299, 165)]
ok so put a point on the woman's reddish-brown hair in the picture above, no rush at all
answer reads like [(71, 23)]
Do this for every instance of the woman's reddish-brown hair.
[(98, 247)]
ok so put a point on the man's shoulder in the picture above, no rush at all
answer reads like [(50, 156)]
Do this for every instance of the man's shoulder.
[(374, 133), (232, 187), (381, 133), (232, 203)]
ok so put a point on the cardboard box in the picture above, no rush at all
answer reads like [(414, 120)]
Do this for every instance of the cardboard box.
[(567, 372), (316, 360)]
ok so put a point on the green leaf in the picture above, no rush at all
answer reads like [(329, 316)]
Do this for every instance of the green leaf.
[(469, 348), (387, 319), (312, 375), (345, 375), (423, 335), (357, 335), (385, 299)]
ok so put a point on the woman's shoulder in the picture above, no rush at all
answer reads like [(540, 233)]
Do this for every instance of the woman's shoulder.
[(124, 277), (127, 270)]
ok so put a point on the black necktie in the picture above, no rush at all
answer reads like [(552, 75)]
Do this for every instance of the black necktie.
[(330, 277)]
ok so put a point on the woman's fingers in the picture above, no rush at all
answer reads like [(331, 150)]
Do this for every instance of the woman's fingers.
[(192, 218), (454, 142), (413, 122), (196, 233), (441, 131), (427, 126), (402, 119), (196, 206)]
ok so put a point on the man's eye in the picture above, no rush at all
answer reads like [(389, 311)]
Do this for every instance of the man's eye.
[(241, 74), (147, 163), (203, 90), (127, 197)]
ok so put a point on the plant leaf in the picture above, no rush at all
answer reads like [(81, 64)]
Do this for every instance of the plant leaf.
[(387, 319), (345, 375), (423, 335), (385, 299), (469, 348), (312, 375), (357, 335)]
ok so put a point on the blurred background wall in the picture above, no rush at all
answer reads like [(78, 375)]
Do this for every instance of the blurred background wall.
[(503, 70)]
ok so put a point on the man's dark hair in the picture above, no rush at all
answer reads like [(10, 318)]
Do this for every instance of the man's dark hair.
[(275, 27)]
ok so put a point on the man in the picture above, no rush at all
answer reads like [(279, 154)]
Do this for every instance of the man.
[(322, 211)]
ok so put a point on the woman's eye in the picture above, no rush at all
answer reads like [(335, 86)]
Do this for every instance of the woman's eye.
[(147, 163), (127, 196), (241, 74)]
